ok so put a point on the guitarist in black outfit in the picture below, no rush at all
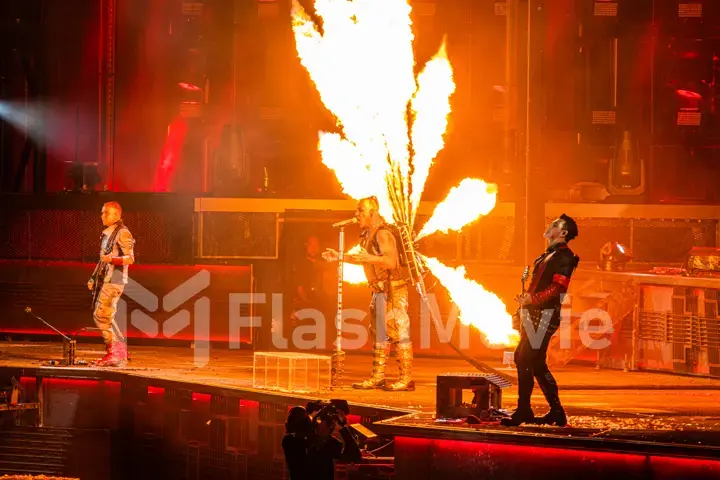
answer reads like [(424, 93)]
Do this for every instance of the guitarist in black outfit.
[(550, 280), (108, 282)]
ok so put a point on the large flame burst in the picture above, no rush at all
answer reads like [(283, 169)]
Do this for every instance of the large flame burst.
[(392, 125)]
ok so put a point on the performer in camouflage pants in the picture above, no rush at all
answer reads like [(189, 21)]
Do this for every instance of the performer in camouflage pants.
[(113, 270), (392, 331), (380, 259)]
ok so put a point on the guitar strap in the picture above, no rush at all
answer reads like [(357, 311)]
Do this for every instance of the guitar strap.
[(99, 273), (539, 272)]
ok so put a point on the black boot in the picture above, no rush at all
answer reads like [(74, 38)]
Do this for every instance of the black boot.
[(526, 382), (519, 416), (549, 387), (556, 416)]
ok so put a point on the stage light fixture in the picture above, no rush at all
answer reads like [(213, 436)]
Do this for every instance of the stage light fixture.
[(614, 256), (82, 176)]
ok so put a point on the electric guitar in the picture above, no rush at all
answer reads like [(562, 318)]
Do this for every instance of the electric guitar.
[(517, 318), (98, 276)]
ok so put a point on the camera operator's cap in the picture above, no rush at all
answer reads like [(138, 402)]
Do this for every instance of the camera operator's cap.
[(297, 419)]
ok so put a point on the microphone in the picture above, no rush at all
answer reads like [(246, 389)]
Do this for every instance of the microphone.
[(345, 222)]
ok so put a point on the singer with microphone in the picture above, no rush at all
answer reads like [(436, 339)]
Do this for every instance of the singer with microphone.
[(388, 279)]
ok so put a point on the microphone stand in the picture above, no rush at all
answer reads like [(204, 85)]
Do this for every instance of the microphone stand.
[(69, 345), (338, 358)]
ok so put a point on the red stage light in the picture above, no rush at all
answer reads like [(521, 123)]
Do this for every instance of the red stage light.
[(189, 86), (689, 94), (75, 383), (201, 397), (442, 456), (155, 390)]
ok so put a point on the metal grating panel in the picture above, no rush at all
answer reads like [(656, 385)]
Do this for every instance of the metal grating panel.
[(690, 10), (652, 326), (15, 234), (605, 9), (91, 231), (54, 234), (657, 241), (678, 352), (239, 235), (603, 117), (689, 119), (668, 241), (192, 9), (714, 356), (157, 239), (74, 235)]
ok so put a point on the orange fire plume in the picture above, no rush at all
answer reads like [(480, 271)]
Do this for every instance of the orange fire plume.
[(478, 307), (464, 204), (362, 65), (354, 274)]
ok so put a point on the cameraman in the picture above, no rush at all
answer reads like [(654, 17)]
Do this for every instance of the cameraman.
[(312, 446), (298, 428)]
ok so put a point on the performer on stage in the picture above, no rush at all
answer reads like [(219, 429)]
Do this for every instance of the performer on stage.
[(112, 275), (550, 280), (381, 261)]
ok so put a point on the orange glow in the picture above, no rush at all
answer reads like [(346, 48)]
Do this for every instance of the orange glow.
[(354, 274)]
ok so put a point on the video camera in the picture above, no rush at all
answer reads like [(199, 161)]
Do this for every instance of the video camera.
[(327, 410)]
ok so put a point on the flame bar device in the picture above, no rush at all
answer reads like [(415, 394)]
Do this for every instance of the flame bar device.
[(417, 272)]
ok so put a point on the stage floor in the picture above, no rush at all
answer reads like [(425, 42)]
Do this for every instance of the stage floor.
[(606, 399)]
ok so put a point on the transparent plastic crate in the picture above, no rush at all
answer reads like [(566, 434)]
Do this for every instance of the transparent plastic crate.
[(291, 372)]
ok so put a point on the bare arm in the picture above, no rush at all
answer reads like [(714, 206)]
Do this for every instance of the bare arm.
[(331, 255), (127, 244)]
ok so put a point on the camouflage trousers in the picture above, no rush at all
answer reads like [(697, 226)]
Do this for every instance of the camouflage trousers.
[(105, 310), (390, 326), (393, 324)]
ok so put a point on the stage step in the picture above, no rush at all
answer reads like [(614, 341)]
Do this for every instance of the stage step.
[(34, 451)]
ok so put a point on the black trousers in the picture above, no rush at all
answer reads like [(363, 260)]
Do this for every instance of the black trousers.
[(531, 363)]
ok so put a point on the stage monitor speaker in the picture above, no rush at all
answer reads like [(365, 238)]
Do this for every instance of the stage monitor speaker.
[(486, 392)]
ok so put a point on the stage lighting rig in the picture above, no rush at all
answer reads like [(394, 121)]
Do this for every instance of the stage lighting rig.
[(614, 257)]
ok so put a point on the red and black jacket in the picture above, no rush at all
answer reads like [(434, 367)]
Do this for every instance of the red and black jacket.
[(551, 277)]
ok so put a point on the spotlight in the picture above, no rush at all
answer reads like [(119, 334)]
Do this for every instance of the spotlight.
[(613, 257)]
